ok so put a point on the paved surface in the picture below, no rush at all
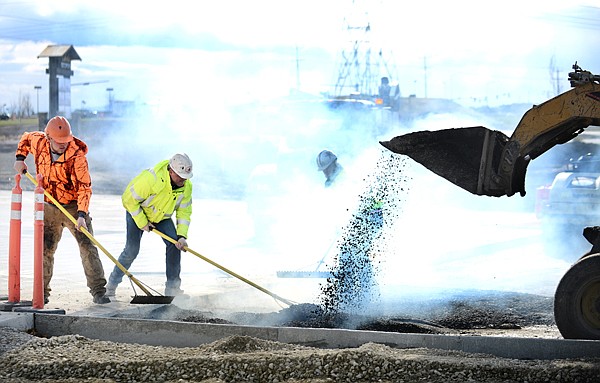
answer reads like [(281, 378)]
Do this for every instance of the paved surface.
[(222, 242), (472, 249), (475, 249)]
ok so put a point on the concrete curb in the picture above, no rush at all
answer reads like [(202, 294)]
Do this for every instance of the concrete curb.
[(183, 334), (20, 321)]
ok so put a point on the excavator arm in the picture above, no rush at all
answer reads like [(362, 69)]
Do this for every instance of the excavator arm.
[(487, 162)]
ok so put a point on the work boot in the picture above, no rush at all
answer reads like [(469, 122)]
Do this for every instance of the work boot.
[(174, 291), (110, 290), (46, 300), (101, 299)]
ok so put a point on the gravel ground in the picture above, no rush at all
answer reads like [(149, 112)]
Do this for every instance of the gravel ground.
[(246, 359), (73, 358)]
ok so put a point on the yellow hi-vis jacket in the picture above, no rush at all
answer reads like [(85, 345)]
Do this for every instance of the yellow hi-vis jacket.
[(149, 197)]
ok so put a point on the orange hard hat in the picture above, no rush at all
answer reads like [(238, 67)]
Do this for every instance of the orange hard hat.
[(59, 129)]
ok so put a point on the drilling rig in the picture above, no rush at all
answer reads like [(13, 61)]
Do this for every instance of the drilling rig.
[(366, 76)]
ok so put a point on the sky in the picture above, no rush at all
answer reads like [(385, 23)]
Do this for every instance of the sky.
[(235, 51)]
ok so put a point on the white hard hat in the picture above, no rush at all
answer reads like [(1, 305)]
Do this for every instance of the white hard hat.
[(181, 165), (325, 158)]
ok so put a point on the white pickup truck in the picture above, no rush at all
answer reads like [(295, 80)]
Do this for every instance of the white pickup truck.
[(574, 196), (570, 203)]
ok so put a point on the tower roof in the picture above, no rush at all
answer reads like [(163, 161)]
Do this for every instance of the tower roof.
[(65, 51)]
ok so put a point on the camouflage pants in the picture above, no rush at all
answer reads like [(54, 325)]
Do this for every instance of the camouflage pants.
[(54, 223)]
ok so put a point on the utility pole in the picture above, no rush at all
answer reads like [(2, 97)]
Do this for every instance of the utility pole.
[(554, 77), (557, 79), (110, 99), (297, 70), (425, 75)]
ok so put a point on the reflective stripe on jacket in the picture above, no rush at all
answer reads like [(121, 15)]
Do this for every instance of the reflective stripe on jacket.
[(149, 197), (68, 178)]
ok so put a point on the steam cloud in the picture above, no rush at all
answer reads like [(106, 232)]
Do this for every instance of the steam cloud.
[(441, 238)]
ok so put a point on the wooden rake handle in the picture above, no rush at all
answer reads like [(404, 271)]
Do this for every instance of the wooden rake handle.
[(91, 237), (277, 297)]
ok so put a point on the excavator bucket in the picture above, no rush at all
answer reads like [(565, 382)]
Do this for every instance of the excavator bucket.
[(487, 162), (467, 157)]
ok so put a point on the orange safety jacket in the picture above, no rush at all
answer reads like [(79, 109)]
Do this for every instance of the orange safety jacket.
[(68, 178)]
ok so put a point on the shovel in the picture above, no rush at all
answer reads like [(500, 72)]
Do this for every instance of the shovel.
[(273, 295), (137, 299)]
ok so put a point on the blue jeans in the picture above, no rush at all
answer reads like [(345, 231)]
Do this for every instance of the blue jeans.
[(132, 248)]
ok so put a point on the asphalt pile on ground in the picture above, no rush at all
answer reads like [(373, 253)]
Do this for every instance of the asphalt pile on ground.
[(473, 310)]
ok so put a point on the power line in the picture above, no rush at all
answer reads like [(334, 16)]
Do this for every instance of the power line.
[(581, 17), (26, 28)]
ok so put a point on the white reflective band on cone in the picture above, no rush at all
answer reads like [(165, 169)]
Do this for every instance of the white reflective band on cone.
[(39, 215), (15, 214), (16, 198), (39, 197)]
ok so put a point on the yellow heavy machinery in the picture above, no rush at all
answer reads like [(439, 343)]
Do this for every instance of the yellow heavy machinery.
[(487, 162)]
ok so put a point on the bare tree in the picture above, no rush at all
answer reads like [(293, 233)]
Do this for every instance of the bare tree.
[(25, 106), (13, 109)]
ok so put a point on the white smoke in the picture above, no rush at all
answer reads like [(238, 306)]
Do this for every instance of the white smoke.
[(262, 159)]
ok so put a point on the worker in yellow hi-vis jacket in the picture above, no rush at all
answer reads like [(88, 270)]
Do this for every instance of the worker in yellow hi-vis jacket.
[(150, 200)]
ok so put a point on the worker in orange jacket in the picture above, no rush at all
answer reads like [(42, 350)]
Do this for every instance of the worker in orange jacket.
[(61, 159)]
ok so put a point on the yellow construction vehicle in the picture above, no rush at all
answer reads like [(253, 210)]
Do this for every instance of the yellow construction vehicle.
[(487, 162)]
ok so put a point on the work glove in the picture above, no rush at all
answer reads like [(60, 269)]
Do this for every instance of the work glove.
[(181, 244), (20, 166), (81, 223)]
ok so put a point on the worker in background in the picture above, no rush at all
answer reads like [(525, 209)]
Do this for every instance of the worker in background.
[(61, 160), (389, 93), (328, 164), (353, 286), (150, 200), (384, 91)]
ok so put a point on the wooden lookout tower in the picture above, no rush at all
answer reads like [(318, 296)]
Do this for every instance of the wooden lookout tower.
[(60, 57)]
